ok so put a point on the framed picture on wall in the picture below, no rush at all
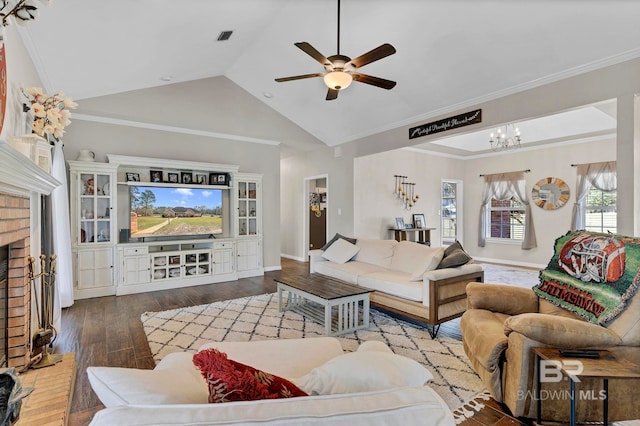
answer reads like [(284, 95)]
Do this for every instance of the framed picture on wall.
[(156, 175), (201, 179), (400, 223), (172, 177), (186, 177), (419, 222), (133, 177)]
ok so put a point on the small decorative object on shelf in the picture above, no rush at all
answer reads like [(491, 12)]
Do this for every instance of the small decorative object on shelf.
[(400, 223), (419, 221), (86, 155)]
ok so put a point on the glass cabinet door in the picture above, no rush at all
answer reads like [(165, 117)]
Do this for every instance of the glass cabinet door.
[(95, 208), (247, 208)]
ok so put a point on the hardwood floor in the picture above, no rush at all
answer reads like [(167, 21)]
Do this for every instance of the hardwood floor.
[(107, 331)]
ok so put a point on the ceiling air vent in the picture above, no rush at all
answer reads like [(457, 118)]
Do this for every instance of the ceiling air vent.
[(224, 35)]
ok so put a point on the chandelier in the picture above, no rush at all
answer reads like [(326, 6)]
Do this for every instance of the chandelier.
[(405, 192), (504, 140)]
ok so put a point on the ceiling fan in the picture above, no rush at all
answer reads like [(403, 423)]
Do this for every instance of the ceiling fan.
[(340, 69)]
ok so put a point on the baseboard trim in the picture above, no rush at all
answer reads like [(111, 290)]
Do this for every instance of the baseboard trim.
[(273, 268), (509, 262), (298, 258)]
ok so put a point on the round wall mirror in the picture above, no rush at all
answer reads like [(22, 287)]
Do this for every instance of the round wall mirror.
[(550, 193)]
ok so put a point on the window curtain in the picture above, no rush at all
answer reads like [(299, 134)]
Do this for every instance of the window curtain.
[(63, 290), (601, 176), (503, 186)]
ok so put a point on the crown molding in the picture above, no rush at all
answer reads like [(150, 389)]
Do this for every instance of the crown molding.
[(172, 129)]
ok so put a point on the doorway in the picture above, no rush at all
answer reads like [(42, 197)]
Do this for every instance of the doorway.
[(315, 213), (451, 211)]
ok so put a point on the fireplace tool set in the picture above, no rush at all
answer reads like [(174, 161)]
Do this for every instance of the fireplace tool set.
[(46, 334)]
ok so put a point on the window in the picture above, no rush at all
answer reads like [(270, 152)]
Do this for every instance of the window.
[(600, 211), (449, 211), (505, 213), (507, 219)]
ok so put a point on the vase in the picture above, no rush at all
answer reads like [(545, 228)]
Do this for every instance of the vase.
[(86, 155)]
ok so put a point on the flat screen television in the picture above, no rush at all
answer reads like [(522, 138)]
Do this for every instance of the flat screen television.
[(159, 212)]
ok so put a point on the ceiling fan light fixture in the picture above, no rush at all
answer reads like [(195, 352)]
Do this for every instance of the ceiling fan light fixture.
[(337, 80)]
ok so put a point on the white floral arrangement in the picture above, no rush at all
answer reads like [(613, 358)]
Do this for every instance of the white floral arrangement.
[(50, 112), (21, 11)]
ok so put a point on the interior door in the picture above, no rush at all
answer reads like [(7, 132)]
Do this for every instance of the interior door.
[(451, 200)]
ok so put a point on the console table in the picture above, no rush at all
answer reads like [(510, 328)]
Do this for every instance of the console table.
[(424, 234)]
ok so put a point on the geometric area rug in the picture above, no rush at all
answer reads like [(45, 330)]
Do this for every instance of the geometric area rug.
[(257, 318)]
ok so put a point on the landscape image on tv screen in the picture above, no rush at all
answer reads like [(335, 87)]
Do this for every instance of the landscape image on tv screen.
[(165, 211)]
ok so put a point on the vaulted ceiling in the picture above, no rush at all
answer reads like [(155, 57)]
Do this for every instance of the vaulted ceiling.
[(158, 62)]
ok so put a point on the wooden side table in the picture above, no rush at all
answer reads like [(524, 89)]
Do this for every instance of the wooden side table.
[(424, 234), (608, 366)]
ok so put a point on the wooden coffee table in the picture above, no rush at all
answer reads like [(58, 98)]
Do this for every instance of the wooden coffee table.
[(339, 306)]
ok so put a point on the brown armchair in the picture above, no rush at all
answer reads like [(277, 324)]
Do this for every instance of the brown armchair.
[(502, 325)]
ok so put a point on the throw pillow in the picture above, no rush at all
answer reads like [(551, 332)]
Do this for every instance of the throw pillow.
[(341, 251), (335, 238), (454, 255), (229, 380), (117, 386), (364, 371)]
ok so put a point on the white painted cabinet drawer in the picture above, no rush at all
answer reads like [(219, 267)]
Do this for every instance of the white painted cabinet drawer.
[(133, 251), (223, 245)]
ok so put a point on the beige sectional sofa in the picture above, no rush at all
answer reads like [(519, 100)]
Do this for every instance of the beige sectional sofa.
[(405, 278)]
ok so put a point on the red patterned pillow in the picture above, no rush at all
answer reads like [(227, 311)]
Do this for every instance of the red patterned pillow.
[(230, 380)]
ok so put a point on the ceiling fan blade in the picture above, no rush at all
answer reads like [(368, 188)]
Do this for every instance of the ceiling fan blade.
[(311, 51), (298, 77), (379, 52), (332, 94), (374, 81)]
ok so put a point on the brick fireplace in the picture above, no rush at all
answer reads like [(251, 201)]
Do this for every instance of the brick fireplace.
[(22, 184), (15, 233)]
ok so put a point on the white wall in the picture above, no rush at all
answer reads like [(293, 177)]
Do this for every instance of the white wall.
[(340, 194), (375, 205), (549, 224)]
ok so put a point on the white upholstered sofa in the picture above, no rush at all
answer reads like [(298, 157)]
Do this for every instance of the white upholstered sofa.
[(404, 276), (357, 388)]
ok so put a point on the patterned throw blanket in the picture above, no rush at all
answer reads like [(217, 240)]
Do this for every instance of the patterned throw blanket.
[(592, 274)]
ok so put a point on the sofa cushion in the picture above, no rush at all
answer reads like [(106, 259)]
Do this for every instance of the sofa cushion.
[(377, 252), (341, 251), (348, 272), (364, 371), (416, 259), (402, 406), (117, 386), (229, 380), (395, 283), (454, 255), (283, 357), (335, 238)]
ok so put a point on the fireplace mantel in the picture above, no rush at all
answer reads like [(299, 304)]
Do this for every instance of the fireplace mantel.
[(18, 174)]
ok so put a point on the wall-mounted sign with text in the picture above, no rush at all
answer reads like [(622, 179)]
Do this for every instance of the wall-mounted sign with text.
[(445, 124)]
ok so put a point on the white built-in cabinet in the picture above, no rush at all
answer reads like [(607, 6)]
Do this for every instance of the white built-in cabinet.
[(93, 227), (103, 265), (248, 194)]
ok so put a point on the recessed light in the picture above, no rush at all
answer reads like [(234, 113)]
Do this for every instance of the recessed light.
[(267, 95), (166, 78)]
